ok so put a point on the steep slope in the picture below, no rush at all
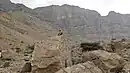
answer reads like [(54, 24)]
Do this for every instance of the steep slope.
[(18, 32), (24, 26)]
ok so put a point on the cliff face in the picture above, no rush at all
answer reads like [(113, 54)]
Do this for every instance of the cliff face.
[(86, 24)]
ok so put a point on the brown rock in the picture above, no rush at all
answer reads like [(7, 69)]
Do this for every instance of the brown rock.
[(6, 64), (46, 57), (87, 67), (104, 60), (27, 68), (52, 68), (76, 54)]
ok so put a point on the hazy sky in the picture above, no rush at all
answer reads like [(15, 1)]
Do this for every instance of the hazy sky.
[(102, 6)]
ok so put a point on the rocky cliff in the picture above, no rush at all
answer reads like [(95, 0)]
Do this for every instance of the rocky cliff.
[(85, 24)]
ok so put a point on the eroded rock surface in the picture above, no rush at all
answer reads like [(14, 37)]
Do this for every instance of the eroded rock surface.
[(104, 60), (87, 67), (46, 57)]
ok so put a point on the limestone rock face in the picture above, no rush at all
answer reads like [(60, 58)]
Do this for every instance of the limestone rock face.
[(87, 67)]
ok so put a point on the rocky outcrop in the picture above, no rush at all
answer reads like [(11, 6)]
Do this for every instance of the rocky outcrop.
[(51, 68), (97, 61), (87, 67), (104, 60), (46, 56), (77, 50)]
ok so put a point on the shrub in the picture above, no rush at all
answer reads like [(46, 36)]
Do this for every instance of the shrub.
[(90, 46)]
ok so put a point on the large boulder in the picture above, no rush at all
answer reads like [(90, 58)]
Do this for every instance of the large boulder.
[(52, 68), (46, 55), (87, 67), (104, 60)]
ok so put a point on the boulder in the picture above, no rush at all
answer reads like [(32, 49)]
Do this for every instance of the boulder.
[(104, 60), (27, 68), (46, 55), (46, 52), (87, 67), (118, 45), (52, 68)]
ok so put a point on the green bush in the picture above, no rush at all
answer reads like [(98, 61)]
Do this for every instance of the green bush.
[(86, 46)]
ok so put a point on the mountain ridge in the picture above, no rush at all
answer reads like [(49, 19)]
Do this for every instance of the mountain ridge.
[(89, 23), (80, 8), (20, 4)]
